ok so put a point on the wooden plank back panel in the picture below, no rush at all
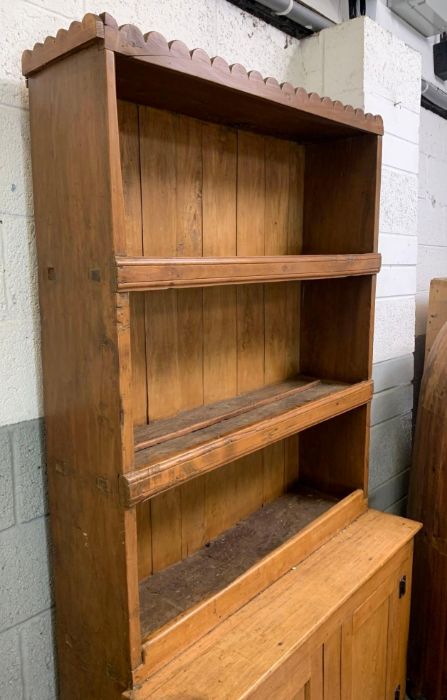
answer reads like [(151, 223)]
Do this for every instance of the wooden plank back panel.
[(220, 501), (214, 191), (347, 466), (130, 169), (341, 213), (282, 236), (251, 191), (171, 176), (336, 328)]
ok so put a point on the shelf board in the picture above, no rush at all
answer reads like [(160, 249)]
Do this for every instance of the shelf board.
[(142, 274), (313, 525), (170, 592), (173, 451), (288, 617)]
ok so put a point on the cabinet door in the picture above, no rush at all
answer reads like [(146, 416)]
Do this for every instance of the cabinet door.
[(374, 642)]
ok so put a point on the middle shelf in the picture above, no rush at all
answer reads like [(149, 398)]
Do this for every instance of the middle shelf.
[(172, 451), (144, 274)]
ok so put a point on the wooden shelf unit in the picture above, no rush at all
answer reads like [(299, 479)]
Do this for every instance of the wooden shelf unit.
[(207, 248)]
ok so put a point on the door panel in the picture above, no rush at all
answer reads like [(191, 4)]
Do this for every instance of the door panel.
[(374, 643), (369, 655), (332, 666)]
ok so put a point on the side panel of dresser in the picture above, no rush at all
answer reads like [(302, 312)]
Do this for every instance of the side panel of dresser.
[(77, 215)]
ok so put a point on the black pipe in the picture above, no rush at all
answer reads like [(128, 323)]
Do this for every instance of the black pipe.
[(283, 23)]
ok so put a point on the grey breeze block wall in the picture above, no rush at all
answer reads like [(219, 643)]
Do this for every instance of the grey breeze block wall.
[(358, 63), (26, 649)]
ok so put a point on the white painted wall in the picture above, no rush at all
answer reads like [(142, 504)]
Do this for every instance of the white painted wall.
[(432, 224), (380, 13), (432, 216), (432, 230)]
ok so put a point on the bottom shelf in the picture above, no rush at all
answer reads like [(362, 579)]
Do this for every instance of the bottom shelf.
[(271, 638), (187, 600), (169, 593)]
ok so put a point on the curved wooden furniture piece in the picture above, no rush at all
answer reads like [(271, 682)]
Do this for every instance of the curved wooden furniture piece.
[(428, 650)]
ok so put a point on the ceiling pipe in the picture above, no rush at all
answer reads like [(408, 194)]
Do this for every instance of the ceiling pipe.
[(298, 13), (434, 98)]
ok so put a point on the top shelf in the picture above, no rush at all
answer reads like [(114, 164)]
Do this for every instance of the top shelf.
[(143, 274)]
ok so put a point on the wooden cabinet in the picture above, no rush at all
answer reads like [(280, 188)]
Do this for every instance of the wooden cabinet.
[(363, 656), (207, 248)]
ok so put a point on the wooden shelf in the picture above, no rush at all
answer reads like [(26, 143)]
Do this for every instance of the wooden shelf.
[(302, 523), (289, 614), (216, 565), (140, 274), (178, 449)]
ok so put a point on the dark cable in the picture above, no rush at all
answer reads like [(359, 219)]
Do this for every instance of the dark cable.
[(352, 9)]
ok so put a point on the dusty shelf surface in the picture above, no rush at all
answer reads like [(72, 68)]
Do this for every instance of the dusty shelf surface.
[(167, 594)]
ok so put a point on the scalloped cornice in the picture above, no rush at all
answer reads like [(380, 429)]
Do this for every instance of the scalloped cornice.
[(152, 47)]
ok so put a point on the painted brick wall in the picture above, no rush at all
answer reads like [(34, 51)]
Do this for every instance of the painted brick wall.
[(432, 227), (392, 87), (26, 650), (358, 63)]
